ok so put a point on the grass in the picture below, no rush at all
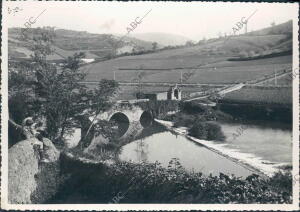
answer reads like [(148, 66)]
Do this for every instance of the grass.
[(207, 69), (285, 80), (261, 95)]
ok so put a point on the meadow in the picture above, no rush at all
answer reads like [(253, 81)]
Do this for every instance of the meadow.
[(261, 95), (213, 69)]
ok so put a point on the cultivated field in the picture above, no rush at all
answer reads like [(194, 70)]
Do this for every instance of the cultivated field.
[(214, 69)]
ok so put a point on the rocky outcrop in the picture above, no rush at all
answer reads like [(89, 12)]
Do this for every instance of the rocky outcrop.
[(31, 179)]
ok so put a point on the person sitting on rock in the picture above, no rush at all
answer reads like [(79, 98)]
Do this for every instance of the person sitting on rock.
[(35, 130)]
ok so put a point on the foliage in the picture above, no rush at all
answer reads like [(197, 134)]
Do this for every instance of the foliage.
[(189, 43), (282, 181), (182, 119), (207, 131), (151, 183), (154, 46), (107, 129), (192, 108), (103, 96), (56, 91), (198, 119), (159, 109)]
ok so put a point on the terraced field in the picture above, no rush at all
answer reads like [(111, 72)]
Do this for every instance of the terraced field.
[(207, 69)]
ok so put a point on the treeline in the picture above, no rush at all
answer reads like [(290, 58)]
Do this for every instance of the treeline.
[(274, 54)]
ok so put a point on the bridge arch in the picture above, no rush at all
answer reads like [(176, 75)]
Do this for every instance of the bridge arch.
[(146, 119), (122, 122), (130, 120)]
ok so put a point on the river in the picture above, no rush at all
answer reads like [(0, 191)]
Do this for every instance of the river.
[(270, 141), (262, 146), (257, 144)]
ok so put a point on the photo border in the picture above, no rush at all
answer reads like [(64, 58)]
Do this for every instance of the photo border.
[(147, 207)]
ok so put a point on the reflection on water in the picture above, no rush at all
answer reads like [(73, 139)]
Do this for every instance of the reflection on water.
[(142, 151), (164, 146), (269, 141)]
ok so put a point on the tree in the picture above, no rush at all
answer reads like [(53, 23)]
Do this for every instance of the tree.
[(103, 96), (189, 43), (220, 34), (273, 24), (251, 53), (154, 46), (207, 130), (114, 46), (272, 31), (243, 54), (57, 91)]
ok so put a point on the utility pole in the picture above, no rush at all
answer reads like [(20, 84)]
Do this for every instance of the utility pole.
[(275, 75), (114, 75), (180, 77), (140, 81)]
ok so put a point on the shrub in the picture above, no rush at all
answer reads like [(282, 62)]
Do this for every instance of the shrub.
[(207, 131), (183, 120), (243, 54), (282, 181), (192, 108), (151, 183)]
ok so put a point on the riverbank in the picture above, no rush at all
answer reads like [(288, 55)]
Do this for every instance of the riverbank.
[(80, 179), (257, 165), (126, 182)]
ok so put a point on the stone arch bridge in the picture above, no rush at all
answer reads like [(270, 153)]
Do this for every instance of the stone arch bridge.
[(130, 119)]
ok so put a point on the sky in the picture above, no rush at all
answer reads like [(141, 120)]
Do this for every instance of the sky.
[(193, 20)]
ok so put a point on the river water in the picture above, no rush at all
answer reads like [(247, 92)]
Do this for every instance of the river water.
[(268, 141), (266, 144)]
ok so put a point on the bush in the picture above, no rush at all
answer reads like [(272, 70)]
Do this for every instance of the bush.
[(207, 131), (243, 54), (282, 181), (126, 182), (192, 108), (183, 120)]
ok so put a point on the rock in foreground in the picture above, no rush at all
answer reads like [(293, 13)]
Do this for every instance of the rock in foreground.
[(31, 180)]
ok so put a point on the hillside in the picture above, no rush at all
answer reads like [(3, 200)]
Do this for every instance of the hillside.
[(279, 29), (68, 42), (208, 61), (163, 39)]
